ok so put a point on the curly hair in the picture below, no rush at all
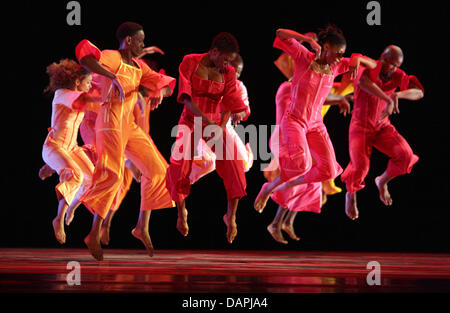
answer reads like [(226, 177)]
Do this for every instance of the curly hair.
[(64, 74), (225, 42), (331, 34)]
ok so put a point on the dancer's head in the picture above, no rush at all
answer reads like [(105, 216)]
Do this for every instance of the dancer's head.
[(238, 64), (391, 59), (333, 44), (223, 50), (68, 74), (131, 36)]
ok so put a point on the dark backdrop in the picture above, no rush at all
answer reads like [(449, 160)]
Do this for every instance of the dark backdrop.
[(37, 34)]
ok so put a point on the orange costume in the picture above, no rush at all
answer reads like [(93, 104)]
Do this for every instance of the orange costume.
[(117, 134), (61, 151)]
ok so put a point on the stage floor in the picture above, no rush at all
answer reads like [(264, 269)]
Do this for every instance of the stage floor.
[(182, 271)]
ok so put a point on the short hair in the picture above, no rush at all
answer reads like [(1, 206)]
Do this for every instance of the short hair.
[(225, 42), (331, 34), (127, 29)]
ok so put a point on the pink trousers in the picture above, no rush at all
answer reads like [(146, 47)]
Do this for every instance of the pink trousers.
[(388, 141)]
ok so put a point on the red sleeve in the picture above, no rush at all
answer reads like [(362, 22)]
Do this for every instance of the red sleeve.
[(232, 100), (410, 81), (342, 67), (186, 70), (153, 80), (85, 48)]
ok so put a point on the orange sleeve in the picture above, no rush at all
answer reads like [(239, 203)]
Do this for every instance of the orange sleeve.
[(108, 58), (85, 48), (153, 80)]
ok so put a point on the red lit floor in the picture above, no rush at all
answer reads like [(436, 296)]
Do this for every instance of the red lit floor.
[(182, 271)]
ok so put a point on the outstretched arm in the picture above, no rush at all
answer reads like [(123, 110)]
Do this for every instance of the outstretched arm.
[(90, 63), (414, 92), (366, 84), (357, 60), (284, 34), (341, 101)]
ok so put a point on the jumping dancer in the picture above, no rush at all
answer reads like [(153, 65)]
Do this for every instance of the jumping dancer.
[(207, 88), (303, 136), (375, 99), (121, 73)]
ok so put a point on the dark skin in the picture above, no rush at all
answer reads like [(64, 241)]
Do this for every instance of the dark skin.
[(391, 59), (211, 68), (130, 47)]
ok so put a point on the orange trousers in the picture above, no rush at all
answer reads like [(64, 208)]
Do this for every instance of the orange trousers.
[(116, 135)]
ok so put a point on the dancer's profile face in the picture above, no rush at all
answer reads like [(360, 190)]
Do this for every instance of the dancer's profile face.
[(136, 43), (84, 84), (221, 59), (239, 67), (334, 53)]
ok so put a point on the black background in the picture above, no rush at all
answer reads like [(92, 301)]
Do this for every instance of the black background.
[(37, 34)]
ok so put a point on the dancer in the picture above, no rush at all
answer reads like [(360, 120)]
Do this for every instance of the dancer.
[(207, 88), (141, 113), (375, 99), (69, 82), (206, 161), (303, 135), (307, 197), (120, 75)]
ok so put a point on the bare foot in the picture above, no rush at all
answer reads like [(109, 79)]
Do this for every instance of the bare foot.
[(45, 172), (230, 222), (58, 228), (94, 247), (385, 196), (145, 238), (276, 234), (262, 198), (350, 206), (289, 229), (70, 214), (104, 234), (182, 225)]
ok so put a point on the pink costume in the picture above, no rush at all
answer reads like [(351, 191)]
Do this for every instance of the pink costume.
[(305, 197), (207, 163), (117, 134), (367, 131), (212, 98), (303, 135), (61, 151)]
